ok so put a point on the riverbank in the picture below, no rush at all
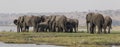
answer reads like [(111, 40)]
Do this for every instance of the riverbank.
[(80, 39)]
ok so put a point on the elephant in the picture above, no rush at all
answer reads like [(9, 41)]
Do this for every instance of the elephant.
[(43, 26), (29, 21), (19, 23), (69, 26), (95, 19), (60, 23), (72, 24), (51, 23), (33, 21), (107, 23), (16, 23)]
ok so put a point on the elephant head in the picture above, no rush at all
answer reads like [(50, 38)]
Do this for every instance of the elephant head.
[(88, 19), (95, 19), (15, 21)]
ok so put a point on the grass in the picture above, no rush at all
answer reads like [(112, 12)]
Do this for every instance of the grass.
[(64, 39)]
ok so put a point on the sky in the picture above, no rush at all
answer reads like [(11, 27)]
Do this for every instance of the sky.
[(37, 6)]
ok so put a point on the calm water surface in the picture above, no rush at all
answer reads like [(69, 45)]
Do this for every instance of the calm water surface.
[(25, 45)]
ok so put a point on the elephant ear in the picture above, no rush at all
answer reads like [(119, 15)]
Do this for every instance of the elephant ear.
[(15, 21)]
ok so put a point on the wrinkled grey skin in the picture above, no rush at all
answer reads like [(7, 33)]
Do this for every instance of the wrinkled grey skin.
[(69, 25), (95, 19), (33, 21), (19, 24), (72, 24), (107, 23), (60, 23), (16, 23), (51, 23), (43, 26), (28, 21)]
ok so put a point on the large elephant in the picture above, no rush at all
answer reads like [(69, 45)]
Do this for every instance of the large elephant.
[(60, 23), (44, 26), (16, 23), (29, 21), (72, 24), (95, 19), (51, 23), (19, 23), (107, 23), (33, 21)]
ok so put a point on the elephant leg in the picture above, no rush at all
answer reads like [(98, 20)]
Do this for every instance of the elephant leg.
[(18, 29), (92, 28), (105, 30), (27, 29), (109, 29), (53, 29), (71, 30), (60, 29), (36, 28), (46, 29), (21, 29), (99, 29), (64, 29), (87, 28), (104, 27), (95, 29), (42, 29), (77, 28)]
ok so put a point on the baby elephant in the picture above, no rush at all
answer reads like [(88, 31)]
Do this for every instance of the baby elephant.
[(43, 26), (107, 23)]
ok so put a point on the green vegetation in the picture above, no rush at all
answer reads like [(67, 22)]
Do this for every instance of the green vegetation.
[(65, 39)]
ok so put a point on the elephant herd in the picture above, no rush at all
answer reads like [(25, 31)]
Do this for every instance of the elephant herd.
[(60, 23), (52, 23), (97, 19)]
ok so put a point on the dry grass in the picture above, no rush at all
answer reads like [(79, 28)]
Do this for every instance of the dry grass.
[(65, 39)]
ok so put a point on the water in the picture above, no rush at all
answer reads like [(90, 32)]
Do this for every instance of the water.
[(115, 46), (25, 45), (9, 28)]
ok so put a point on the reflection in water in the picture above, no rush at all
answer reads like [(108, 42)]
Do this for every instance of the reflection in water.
[(25, 45)]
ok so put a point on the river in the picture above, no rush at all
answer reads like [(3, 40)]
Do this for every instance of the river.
[(25, 45)]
